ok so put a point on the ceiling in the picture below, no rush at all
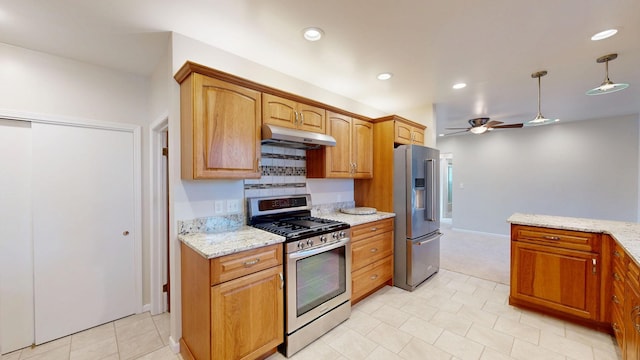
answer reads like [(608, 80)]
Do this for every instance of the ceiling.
[(492, 45)]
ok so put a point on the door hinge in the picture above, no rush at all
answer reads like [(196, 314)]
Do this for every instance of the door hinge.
[(165, 288), (165, 151)]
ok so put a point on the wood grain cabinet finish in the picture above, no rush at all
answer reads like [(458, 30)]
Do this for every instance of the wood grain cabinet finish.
[(631, 313), (617, 300), (291, 114), (232, 306), (406, 133), (377, 192), (372, 257), (220, 129), (549, 273), (352, 157)]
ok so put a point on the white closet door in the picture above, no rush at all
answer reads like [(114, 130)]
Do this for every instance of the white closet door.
[(83, 215), (16, 250)]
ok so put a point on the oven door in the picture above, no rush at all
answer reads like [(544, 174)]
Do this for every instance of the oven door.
[(317, 281)]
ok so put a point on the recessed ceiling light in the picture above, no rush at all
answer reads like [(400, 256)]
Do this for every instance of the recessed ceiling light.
[(604, 34), (441, 135), (459, 86), (312, 33), (384, 76)]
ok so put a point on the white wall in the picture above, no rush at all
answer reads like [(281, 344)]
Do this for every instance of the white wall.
[(33, 83), (582, 169)]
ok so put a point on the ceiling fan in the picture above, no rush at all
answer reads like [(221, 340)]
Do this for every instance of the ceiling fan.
[(482, 124)]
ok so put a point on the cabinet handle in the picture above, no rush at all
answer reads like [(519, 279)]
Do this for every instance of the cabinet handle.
[(616, 277), (296, 120), (373, 250), (281, 281), (551, 237), (615, 299), (594, 262), (373, 277), (251, 262), (374, 229), (615, 327), (616, 253), (301, 118)]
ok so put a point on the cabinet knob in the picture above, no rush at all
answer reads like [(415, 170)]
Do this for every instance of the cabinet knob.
[(616, 277), (373, 250), (616, 253), (125, 233), (373, 277), (615, 299)]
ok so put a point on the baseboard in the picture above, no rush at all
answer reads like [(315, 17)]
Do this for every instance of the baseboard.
[(174, 345), (146, 307)]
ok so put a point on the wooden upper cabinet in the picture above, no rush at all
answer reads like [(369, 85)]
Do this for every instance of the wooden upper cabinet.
[(220, 129), (407, 133), (352, 157), (291, 114)]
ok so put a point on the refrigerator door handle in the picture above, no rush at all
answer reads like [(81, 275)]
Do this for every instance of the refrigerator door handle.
[(429, 194), (433, 238)]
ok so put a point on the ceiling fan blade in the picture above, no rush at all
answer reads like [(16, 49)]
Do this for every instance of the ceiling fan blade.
[(492, 123), (457, 132), (508, 126)]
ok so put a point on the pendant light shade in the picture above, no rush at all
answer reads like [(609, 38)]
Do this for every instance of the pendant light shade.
[(607, 85), (539, 119)]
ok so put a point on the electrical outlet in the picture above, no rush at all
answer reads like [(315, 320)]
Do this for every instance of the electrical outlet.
[(233, 206), (219, 206)]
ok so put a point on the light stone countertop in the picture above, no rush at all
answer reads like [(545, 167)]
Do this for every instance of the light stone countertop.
[(354, 220), (212, 245), (626, 233)]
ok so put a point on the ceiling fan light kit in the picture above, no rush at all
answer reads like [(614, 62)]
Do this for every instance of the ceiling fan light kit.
[(539, 119), (607, 85)]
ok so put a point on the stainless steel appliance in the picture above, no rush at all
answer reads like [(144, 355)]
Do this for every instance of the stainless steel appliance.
[(317, 267), (416, 204)]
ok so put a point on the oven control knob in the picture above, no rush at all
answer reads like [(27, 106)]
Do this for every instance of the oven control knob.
[(342, 234), (310, 242), (300, 245), (323, 239), (334, 235)]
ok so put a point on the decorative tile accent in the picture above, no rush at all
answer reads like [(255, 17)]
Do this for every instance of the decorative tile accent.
[(211, 224), (283, 172)]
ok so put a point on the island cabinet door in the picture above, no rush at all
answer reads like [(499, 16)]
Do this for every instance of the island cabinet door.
[(247, 315), (565, 281)]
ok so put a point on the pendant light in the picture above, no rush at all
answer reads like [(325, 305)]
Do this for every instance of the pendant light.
[(539, 119), (607, 85)]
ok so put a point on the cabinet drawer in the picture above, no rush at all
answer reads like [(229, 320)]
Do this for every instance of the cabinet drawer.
[(370, 277), (568, 239), (243, 263), (371, 250), (363, 231)]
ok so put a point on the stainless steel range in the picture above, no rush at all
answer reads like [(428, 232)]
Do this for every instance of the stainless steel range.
[(317, 266)]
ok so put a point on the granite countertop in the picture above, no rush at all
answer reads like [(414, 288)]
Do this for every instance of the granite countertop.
[(626, 233), (212, 245), (354, 220)]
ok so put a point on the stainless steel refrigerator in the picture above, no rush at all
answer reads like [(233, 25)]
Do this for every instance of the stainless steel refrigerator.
[(416, 204)]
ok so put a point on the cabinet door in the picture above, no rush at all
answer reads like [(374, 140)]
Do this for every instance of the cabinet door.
[(559, 279), (362, 146), (311, 118), (339, 164), (418, 136), (247, 315), (226, 133), (279, 111), (402, 133)]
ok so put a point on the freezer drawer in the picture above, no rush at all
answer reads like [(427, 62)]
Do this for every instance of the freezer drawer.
[(423, 258)]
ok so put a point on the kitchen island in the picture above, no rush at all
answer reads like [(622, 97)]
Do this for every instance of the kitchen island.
[(583, 270)]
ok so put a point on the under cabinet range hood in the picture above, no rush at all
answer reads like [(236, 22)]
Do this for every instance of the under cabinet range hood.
[(294, 138)]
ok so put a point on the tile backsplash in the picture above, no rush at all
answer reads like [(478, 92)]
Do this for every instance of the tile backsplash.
[(284, 172)]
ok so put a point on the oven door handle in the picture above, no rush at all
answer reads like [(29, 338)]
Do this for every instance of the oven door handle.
[(305, 253)]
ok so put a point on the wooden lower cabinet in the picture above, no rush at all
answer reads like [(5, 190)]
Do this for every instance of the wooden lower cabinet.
[(631, 314), (371, 257), (232, 306), (551, 272)]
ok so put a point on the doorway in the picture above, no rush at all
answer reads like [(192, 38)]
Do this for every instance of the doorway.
[(160, 286), (446, 189)]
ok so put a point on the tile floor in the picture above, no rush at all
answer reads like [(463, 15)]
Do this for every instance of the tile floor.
[(140, 336), (453, 316)]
